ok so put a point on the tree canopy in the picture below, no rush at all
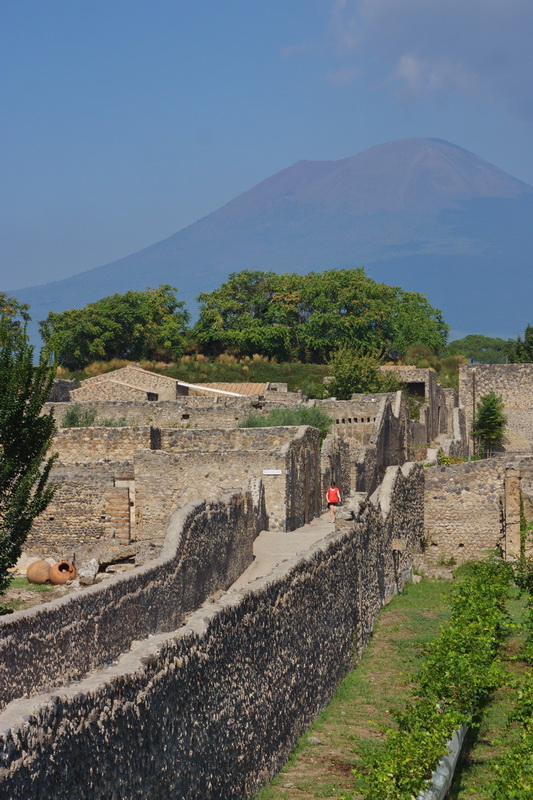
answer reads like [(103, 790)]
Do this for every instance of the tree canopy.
[(357, 372), (13, 314), (25, 436), (307, 317), (520, 351), (134, 325), (481, 349)]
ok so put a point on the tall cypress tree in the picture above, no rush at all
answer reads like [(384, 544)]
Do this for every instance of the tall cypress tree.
[(25, 436), (489, 424)]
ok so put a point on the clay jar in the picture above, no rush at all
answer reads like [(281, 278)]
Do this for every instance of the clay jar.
[(62, 572), (38, 572)]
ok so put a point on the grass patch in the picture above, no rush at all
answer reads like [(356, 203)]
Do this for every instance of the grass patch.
[(349, 728), (23, 583)]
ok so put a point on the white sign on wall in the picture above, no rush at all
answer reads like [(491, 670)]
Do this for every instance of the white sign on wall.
[(271, 472)]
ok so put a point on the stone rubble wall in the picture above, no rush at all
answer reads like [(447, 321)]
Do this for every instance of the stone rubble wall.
[(186, 412), (79, 511), (376, 426), (110, 390), (514, 383), (210, 462), (463, 510), (212, 710), (78, 445), (207, 547)]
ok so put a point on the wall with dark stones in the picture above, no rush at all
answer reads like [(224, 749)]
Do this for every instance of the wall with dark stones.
[(208, 545), (212, 710)]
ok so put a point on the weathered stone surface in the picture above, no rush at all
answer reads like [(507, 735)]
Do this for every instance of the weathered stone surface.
[(87, 572), (210, 711)]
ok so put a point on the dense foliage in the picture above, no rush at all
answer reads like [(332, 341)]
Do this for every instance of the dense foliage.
[(489, 424), (307, 317), (520, 351), (480, 349), (460, 668), (356, 372), (134, 325), (25, 436)]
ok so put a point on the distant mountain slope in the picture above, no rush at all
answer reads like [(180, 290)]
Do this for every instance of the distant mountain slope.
[(421, 213)]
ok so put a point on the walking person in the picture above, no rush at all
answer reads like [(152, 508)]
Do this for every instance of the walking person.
[(333, 499)]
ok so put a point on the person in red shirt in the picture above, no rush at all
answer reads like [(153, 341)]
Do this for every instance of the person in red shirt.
[(333, 499)]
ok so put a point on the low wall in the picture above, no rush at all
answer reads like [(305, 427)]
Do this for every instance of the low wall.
[(213, 710), (208, 545), (463, 509)]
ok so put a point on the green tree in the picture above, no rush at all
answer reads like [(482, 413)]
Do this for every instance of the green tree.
[(480, 349), (14, 314), (521, 351), (357, 372), (134, 325), (307, 317), (489, 424), (25, 436)]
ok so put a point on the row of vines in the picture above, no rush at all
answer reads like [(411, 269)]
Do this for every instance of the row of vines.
[(461, 668)]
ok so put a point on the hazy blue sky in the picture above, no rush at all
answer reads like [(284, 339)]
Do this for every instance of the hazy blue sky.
[(126, 120)]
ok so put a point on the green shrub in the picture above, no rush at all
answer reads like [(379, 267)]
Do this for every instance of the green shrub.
[(290, 416), (77, 416)]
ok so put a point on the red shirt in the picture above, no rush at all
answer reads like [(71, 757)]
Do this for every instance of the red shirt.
[(333, 495)]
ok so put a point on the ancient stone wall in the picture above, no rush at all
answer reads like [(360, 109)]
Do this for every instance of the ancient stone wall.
[(212, 710), (82, 509), (77, 445), (186, 413), (109, 390), (207, 546), (335, 465), (206, 463), (463, 510), (514, 383), (376, 426)]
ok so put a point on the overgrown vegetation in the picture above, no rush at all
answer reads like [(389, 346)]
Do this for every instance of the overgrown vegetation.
[(356, 371), (78, 415), (290, 416), (306, 317)]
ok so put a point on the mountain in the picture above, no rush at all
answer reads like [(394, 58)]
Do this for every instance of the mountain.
[(420, 213)]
